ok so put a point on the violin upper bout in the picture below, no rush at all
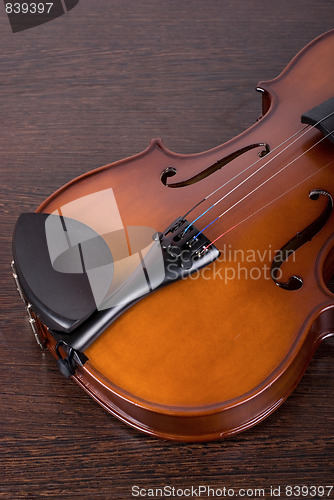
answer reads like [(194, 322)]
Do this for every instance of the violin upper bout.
[(317, 86)]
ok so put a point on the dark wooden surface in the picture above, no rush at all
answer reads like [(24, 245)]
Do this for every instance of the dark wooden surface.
[(92, 87)]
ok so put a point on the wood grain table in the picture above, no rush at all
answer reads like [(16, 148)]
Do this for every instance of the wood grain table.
[(92, 87)]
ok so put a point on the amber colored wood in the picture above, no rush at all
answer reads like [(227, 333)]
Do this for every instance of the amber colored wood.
[(225, 367), (90, 88)]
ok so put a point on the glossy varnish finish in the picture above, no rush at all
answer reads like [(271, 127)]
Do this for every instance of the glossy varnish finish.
[(210, 356)]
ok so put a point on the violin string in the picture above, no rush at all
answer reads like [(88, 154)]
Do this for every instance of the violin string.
[(238, 175), (272, 201), (260, 185), (305, 130)]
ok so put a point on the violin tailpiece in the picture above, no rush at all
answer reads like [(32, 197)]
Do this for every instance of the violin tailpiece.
[(63, 284)]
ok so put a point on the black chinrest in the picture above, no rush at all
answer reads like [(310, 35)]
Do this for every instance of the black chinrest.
[(52, 271)]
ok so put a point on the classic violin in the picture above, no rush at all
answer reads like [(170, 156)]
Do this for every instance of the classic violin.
[(187, 294)]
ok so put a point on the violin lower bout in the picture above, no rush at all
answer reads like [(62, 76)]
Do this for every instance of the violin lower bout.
[(197, 425)]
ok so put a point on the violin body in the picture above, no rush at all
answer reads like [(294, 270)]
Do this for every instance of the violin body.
[(216, 352)]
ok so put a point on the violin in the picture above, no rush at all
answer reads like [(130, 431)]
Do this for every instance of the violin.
[(187, 294)]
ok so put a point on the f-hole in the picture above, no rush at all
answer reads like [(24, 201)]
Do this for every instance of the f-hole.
[(296, 282), (168, 172), (171, 171)]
